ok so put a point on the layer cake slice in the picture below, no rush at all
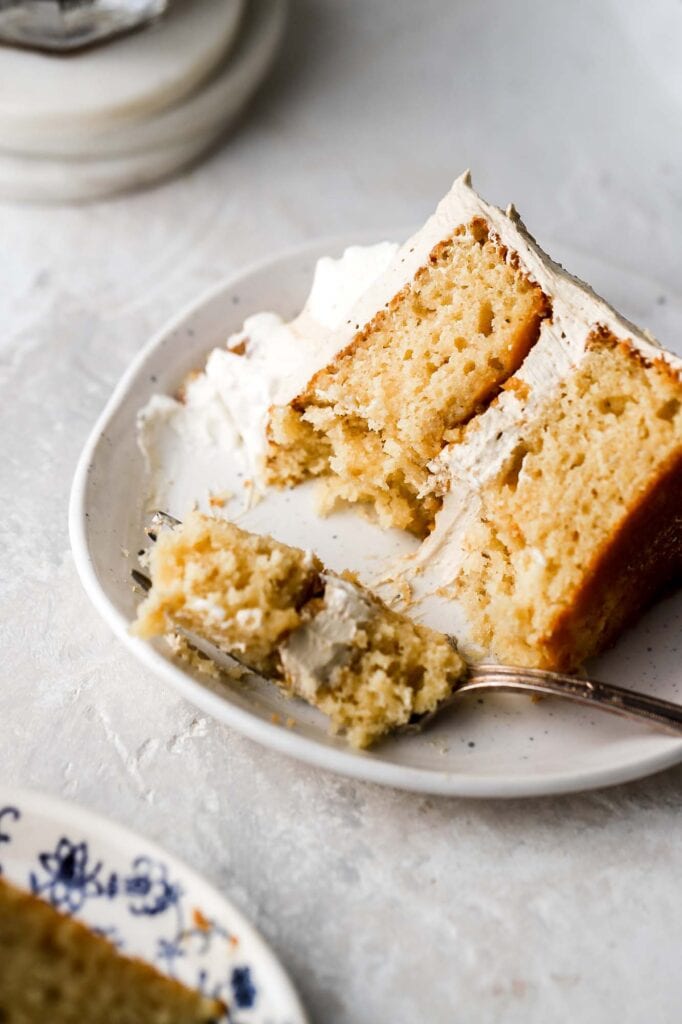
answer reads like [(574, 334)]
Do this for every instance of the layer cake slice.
[(485, 399)]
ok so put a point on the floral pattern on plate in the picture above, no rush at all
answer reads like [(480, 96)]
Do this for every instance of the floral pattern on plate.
[(145, 902)]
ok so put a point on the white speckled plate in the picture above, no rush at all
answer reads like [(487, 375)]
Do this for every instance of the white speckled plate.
[(499, 746), (146, 902)]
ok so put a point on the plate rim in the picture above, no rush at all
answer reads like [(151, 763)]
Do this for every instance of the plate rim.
[(111, 831), (358, 765)]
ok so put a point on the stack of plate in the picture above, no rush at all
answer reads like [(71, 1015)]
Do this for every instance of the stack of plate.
[(138, 109)]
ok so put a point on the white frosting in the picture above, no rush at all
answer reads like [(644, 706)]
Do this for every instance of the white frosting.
[(226, 406), (313, 652), (338, 284), (212, 611)]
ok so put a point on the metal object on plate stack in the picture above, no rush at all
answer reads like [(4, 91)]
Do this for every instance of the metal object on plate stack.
[(65, 25)]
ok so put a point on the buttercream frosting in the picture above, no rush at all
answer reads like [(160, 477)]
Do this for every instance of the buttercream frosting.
[(267, 362), (313, 653)]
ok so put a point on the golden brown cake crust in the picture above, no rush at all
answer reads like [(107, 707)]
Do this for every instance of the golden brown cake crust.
[(582, 526), (632, 568)]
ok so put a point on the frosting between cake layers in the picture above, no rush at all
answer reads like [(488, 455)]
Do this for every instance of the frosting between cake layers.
[(323, 644)]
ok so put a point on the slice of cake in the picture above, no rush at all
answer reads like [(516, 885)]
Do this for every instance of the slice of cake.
[(482, 395), (484, 399), (53, 968), (319, 635)]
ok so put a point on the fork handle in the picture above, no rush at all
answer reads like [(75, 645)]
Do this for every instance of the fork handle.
[(616, 699)]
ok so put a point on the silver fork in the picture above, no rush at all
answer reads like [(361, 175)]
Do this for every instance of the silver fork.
[(641, 707)]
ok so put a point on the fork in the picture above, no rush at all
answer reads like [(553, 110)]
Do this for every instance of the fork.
[(642, 707)]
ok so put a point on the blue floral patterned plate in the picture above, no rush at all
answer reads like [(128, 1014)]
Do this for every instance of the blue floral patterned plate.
[(146, 902)]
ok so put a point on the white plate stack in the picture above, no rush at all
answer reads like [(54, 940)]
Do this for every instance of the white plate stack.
[(124, 115)]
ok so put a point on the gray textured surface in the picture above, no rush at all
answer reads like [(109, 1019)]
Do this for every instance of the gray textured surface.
[(386, 907)]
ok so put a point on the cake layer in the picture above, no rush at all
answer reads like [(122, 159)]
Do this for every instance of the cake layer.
[(582, 523), (238, 590), (53, 968), (320, 636), (373, 419)]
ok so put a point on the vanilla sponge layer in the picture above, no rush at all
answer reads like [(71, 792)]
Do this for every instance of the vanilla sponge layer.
[(240, 591), (372, 420)]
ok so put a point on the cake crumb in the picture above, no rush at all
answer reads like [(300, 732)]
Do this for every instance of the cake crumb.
[(400, 590), (219, 499), (518, 386), (238, 348), (200, 920), (182, 648), (405, 591), (181, 393), (253, 493)]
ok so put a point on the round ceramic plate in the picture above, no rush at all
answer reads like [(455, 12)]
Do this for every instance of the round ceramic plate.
[(146, 902), (500, 746)]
